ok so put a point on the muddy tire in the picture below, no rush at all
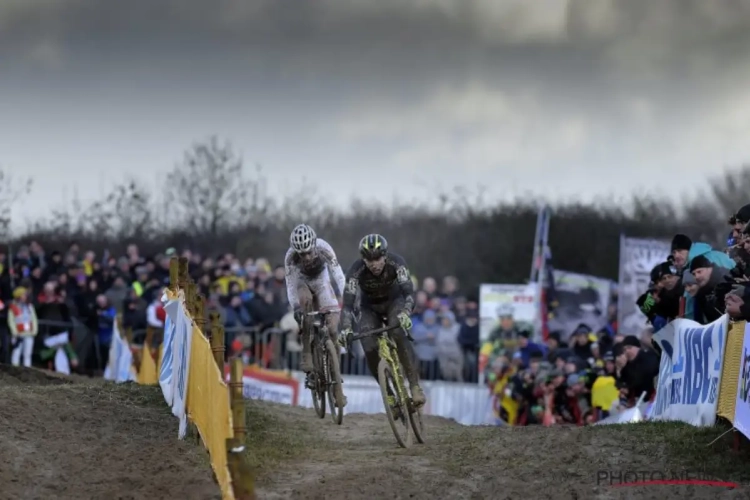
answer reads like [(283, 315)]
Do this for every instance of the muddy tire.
[(334, 377), (401, 428), (318, 396), (417, 425)]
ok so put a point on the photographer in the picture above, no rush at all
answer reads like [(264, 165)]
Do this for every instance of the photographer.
[(661, 302)]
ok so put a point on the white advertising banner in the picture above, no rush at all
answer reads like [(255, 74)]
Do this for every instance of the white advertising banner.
[(268, 385), (690, 371), (637, 258), (165, 372), (518, 301), (178, 347), (742, 405), (467, 404), (120, 363)]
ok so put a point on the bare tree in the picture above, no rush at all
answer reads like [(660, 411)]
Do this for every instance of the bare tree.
[(12, 189), (125, 213), (727, 191), (208, 190)]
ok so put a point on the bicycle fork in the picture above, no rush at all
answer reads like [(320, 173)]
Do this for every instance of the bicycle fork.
[(387, 353)]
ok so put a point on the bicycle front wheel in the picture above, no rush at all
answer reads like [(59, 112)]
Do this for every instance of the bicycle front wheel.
[(318, 391), (334, 382), (415, 417), (388, 384)]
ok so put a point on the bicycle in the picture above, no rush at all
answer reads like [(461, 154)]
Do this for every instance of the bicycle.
[(326, 374), (390, 370)]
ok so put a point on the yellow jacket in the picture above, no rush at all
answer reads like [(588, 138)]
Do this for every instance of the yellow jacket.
[(506, 402), (225, 281)]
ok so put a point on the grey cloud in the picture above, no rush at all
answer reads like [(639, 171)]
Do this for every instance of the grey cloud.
[(417, 23)]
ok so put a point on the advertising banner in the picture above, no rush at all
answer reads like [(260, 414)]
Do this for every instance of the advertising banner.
[(637, 258), (690, 371), (742, 405), (579, 299)]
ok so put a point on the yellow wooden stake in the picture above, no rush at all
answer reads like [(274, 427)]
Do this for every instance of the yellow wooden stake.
[(243, 483), (238, 401), (217, 341), (200, 313), (174, 274)]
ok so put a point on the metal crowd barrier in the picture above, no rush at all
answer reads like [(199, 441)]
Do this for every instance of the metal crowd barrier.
[(270, 348), (275, 349), (85, 343)]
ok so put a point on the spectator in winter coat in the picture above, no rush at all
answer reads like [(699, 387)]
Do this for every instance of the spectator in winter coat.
[(684, 251), (710, 297), (23, 325), (448, 350), (236, 314), (155, 313), (526, 348), (117, 294), (468, 340), (425, 336), (106, 326)]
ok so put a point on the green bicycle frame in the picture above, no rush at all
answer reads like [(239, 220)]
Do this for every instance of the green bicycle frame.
[(388, 352)]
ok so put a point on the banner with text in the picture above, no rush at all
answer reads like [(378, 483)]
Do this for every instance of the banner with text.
[(637, 258), (503, 307), (579, 299), (514, 301), (268, 385), (742, 405), (690, 371)]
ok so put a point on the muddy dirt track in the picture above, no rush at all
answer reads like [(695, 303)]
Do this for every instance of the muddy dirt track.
[(63, 439), (360, 459), (74, 439)]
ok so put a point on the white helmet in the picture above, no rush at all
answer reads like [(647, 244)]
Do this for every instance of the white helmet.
[(303, 239)]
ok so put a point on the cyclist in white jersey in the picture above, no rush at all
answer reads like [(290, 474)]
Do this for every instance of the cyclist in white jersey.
[(314, 281)]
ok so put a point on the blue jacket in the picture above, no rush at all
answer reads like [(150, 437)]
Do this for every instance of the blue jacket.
[(530, 348), (715, 257), (106, 325)]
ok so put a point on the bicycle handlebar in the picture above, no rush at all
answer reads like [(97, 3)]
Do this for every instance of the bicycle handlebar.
[(377, 331), (323, 313)]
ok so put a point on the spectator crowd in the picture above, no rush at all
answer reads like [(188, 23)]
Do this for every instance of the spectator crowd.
[(580, 381), (81, 294), (566, 379)]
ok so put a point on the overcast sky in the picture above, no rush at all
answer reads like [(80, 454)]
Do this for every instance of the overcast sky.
[(574, 99)]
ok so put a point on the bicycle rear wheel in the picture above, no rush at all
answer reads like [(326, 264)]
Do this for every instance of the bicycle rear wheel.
[(318, 390), (401, 427), (334, 381)]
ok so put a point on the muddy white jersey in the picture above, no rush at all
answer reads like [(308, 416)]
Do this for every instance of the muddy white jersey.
[(320, 275)]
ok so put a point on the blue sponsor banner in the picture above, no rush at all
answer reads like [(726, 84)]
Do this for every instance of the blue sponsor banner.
[(690, 371)]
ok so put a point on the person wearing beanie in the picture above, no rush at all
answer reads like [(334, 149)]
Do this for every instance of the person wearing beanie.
[(683, 258), (712, 281), (738, 220), (641, 368), (661, 304), (684, 250)]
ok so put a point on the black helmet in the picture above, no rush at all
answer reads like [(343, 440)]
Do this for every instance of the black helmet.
[(373, 246)]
